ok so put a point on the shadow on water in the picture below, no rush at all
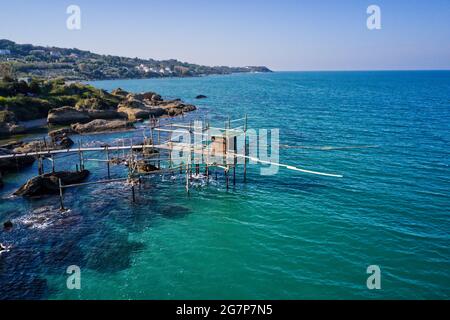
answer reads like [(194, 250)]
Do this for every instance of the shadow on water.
[(173, 211), (93, 233)]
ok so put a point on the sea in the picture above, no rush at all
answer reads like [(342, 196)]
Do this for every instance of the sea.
[(288, 235)]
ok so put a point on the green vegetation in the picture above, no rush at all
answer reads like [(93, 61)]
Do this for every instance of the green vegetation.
[(21, 100), (51, 62)]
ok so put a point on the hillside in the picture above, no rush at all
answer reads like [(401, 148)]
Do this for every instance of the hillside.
[(50, 62)]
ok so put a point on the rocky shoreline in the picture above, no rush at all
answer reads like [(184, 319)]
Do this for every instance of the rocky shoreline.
[(131, 107), (102, 112)]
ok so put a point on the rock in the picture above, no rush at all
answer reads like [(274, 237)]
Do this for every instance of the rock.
[(67, 115), (106, 114), (102, 126), (119, 92), (7, 225), (135, 113), (61, 141), (49, 183), (132, 102), (61, 132), (201, 96), (14, 164), (32, 146), (177, 108), (156, 112), (94, 104), (150, 104), (133, 108), (143, 167), (64, 143), (151, 96), (99, 108), (60, 138)]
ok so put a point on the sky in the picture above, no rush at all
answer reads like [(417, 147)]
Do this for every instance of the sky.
[(281, 34)]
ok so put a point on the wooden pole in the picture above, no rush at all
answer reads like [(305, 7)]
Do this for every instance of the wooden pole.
[(39, 166), (123, 145), (107, 163), (187, 178), (234, 175), (132, 192), (159, 132), (61, 195), (227, 178), (245, 149), (79, 155), (159, 140), (151, 130), (53, 164), (234, 159)]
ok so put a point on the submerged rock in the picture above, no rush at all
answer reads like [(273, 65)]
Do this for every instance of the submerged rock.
[(49, 183), (201, 96), (102, 126), (7, 225)]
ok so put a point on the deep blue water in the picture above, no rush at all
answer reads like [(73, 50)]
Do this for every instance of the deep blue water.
[(290, 235)]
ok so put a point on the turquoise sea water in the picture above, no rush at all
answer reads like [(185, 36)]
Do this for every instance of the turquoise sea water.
[(288, 236)]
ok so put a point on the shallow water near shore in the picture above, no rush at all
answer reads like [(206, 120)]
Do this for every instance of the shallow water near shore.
[(287, 236)]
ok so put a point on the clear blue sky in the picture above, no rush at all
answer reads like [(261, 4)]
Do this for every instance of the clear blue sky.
[(281, 34)]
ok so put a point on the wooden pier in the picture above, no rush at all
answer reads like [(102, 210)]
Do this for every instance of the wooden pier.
[(217, 151)]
